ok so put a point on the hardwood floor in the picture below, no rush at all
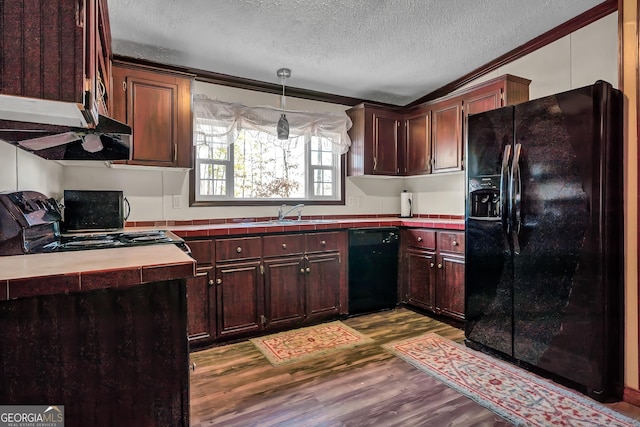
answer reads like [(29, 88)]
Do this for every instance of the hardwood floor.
[(234, 385)]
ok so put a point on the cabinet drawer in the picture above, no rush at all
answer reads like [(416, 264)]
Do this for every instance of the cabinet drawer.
[(320, 242), (201, 251), (287, 244), (451, 241), (421, 238), (242, 248)]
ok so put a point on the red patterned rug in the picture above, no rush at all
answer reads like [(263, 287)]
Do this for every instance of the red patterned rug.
[(305, 343), (516, 395)]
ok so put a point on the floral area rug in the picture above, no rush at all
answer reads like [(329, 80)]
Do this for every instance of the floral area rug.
[(514, 394), (305, 343)]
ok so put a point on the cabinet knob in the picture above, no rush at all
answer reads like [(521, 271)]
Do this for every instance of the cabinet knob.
[(439, 265), (432, 265), (284, 246), (454, 243), (210, 282), (193, 366), (302, 270), (308, 269), (419, 239), (219, 281), (238, 249), (323, 243)]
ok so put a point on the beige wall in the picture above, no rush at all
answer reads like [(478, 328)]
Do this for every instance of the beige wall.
[(20, 170)]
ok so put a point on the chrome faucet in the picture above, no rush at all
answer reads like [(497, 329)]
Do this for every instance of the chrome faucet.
[(282, 215)]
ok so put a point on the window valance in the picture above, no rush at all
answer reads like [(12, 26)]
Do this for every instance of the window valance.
[(224, 120)]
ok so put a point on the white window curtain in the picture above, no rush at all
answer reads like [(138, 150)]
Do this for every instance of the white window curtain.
[(224, 120)]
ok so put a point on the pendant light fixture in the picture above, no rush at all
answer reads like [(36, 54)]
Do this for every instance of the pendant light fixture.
[(283, 124)]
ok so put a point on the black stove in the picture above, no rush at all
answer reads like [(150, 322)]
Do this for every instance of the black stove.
[(77, 242), (30, 223)]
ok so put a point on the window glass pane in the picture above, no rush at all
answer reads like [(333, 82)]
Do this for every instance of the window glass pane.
[(265, 169), (212, 180)]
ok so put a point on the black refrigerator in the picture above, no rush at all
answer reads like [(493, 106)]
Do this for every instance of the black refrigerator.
[(544, 237)]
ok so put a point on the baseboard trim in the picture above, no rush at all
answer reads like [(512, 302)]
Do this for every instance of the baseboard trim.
[(632, 396)]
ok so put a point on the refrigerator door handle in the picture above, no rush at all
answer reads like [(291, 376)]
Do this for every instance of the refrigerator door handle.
[(504, 189), (515, 191)]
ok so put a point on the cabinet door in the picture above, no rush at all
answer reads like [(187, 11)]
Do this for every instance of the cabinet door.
[(157, 107), (481, 102), (284, 291), (420, 278), (418, 145), (385, 155), (239, 294), (322, 287), (446, 136), (201, 321), (450, 289)]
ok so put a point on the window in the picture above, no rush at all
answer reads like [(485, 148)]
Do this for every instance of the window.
[(239, 162)]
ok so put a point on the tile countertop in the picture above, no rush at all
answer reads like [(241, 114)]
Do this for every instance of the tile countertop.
[(78, 271), (240, 228)]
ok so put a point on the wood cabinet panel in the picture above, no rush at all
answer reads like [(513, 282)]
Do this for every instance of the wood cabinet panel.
[(201, 326), (420, 278), (420, 238), (240, 300), (202, 251), (279, 245), (418, 144), (450, 290), (451, 242), (322, 286), (284, 291), (157, 106), (320, 242), (238, 249), (385, 158), (446, 136)]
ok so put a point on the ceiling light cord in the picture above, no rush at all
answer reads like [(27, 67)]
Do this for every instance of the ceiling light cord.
[(283, 124)]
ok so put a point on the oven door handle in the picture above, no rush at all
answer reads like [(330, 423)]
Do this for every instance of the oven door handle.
[(127, 210)]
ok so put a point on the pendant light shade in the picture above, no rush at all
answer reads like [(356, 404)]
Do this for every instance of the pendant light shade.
[(283, 123)]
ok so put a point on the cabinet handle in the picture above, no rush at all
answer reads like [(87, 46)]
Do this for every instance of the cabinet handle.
[(239, 249), (211, 282), (175, 153), (454, 243), (419, 239), (219, 281), (308, 269), (432, 265), (193, 366), (439, 265), (323, 243), (284, 246), (375, 163)]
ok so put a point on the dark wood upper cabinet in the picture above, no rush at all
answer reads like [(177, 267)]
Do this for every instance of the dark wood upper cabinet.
[(157, 106), (417, 143), (57, 50), (446, 135), (375, 141)]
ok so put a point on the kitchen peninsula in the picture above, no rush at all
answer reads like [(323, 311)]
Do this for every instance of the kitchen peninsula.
[(102, 332)]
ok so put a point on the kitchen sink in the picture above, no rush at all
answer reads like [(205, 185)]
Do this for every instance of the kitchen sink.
[(288, 222)]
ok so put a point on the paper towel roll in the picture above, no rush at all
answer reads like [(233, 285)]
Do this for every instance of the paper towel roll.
[(405, 204)]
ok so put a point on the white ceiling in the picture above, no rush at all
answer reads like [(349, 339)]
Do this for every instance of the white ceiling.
[(391, 51)]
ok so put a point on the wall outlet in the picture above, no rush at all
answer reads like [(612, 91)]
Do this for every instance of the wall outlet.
[(177, 202)]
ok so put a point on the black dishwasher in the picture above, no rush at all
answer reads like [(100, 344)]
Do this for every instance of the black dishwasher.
[(373, 269)]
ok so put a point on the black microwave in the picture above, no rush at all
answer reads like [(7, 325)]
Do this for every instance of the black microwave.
[(91, 210)]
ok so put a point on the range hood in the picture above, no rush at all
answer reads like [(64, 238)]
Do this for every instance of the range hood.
[(62, 130)]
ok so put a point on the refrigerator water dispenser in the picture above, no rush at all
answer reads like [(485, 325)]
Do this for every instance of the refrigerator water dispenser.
[(484, 197)]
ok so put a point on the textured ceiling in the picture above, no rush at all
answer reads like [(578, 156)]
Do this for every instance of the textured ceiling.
[(391, 51)]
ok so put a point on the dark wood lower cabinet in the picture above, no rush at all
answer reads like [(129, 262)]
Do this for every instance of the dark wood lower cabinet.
[(284, 292), (112, 357), (420, 278), (322, 286), (432, 271), (239, 291), (201, 307)]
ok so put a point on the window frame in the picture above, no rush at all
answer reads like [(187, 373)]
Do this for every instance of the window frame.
[(339, 186)]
